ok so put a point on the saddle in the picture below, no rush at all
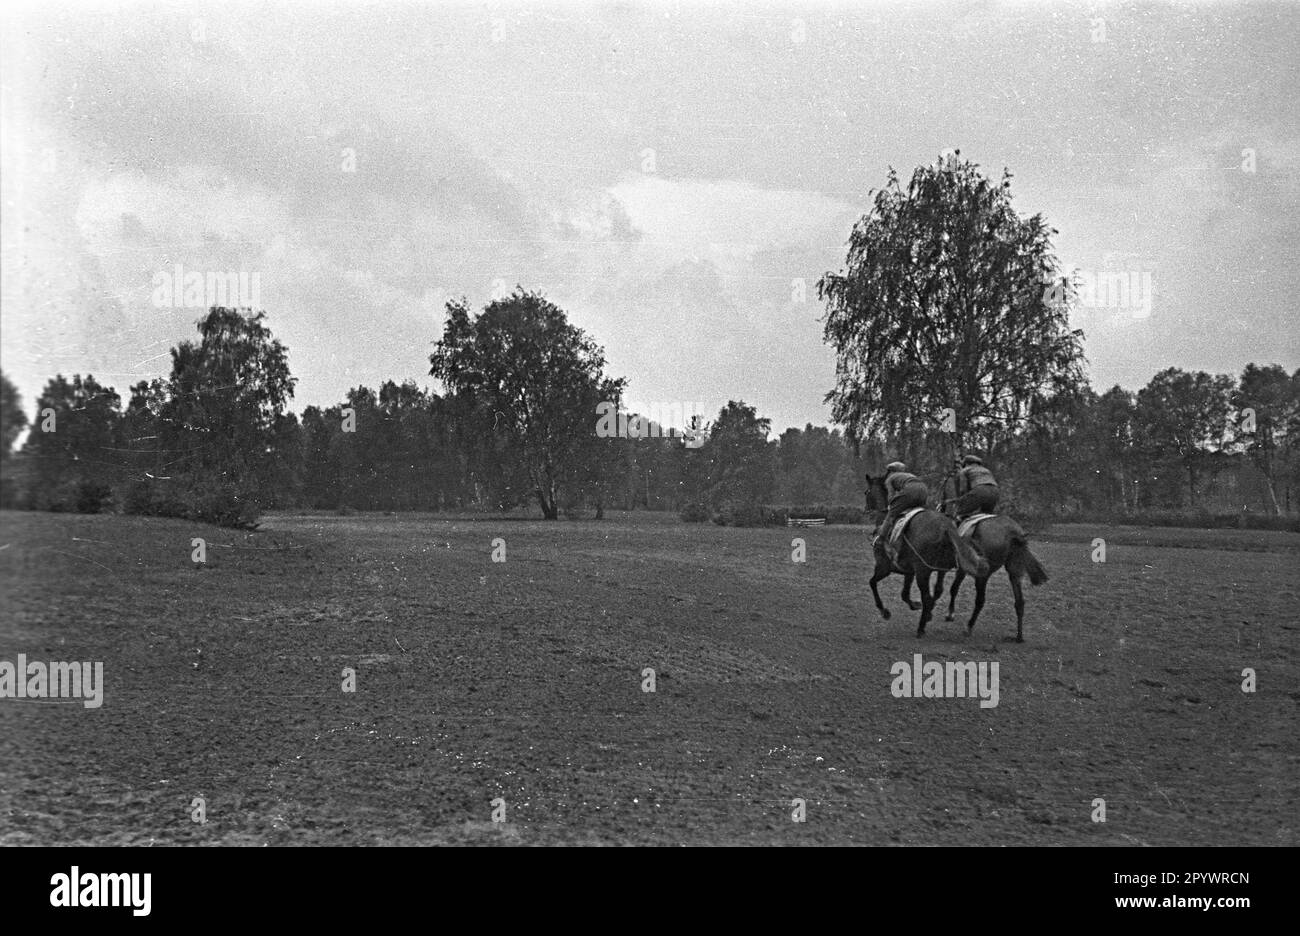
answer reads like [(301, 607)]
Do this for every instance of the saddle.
[(896, 533), (968, 525)]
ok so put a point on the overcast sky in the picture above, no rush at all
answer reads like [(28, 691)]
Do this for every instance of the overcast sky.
[(663, 172)]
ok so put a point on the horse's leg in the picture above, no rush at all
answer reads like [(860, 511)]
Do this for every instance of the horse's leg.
[(952, 595), (907, 591), (927, 601), (881, 572), (981, 584), (1020, 605), (938, 585)]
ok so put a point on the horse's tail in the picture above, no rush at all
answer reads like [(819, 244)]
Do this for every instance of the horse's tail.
[(1023, 562), (968, 560)]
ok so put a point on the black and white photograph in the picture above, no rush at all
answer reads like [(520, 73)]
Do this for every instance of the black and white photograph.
[(651, 423)]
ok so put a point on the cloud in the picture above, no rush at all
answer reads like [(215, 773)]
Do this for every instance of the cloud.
[(481, 158)]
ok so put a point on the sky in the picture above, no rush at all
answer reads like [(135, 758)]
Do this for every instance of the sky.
[(675, 176)]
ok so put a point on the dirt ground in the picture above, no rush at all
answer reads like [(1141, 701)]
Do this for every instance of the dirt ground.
[(523, 680)]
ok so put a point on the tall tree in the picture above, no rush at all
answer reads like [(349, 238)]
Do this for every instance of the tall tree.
[(942, 305), (740, 459), (1184, 416), (1270, 395), (1112, 420), (73, 443), (226, 401), (531, 379), (12, 422), (12, 418)]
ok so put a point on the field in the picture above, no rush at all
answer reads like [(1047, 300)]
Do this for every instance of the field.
[(523, 680)]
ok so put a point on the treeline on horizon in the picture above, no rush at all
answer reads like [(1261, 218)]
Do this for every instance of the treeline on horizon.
[(215, 441)]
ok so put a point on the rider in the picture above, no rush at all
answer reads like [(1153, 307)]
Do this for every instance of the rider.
[(905, 491), (977, 491)]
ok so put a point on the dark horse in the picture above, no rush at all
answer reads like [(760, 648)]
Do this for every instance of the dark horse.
[(1002, 542), (929, 544)]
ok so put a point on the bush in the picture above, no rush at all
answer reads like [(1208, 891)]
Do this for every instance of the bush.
[(224, 505), (93, 497), (1201, 517), (154, 498), (842, 514), (693, 513), (740, 514), (218, 502), (69, 495)]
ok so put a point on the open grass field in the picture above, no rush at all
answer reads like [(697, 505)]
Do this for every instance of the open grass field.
[(523, 680)]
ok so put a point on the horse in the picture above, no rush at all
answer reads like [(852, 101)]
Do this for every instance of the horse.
[(1003, 544), (929, 544)]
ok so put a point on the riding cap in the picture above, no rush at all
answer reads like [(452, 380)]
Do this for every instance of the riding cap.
[(971, 460), (895, 466)]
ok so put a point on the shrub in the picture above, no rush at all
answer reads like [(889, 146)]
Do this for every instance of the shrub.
[(843, 514), (224, 505), (70, 495), (219, 502), (93, 497), (155, 498), (1201, 517), (740, 514), (693, 513)]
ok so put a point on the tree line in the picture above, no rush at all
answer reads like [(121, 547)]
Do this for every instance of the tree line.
[(215, 440), (950, 323)]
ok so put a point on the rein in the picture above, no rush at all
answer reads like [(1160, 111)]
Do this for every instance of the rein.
[(917, 554)]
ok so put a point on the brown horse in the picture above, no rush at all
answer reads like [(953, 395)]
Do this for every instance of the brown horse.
[(929, 544), (1002, 542)]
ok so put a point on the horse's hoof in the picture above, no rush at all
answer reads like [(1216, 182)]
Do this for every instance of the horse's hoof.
[(913, 606), (1020, 639), (970, 629), (920, 633), (948, 619), (884, 613)]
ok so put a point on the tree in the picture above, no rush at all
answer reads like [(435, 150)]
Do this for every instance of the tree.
[(1112, 422), (942, 305), (1183, 416), (12, 418), (1059, 469), (320, 476), (528, 378), (1270, 395), (12, 422), (220, 440), (809, 463), (740, 460), (226, 400), (73, 444)]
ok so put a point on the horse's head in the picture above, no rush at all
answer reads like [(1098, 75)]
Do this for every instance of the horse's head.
[(877, 498)]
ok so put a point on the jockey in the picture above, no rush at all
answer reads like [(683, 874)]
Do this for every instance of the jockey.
[(977, 491), (905, 491)]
